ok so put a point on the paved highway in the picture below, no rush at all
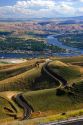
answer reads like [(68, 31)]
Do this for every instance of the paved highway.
[(72, 121)]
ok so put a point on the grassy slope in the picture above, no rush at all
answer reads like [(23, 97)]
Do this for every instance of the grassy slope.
[(5, 66), (13, 71), (71, 59), (46, 100), (3, 103), (16, 69), (49, 105), (9, 113), (48, 119), (25, 81), (20, 81), (67, 71), (17, 78)]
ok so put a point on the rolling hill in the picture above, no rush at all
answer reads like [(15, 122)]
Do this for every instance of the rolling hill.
[(40, 83)]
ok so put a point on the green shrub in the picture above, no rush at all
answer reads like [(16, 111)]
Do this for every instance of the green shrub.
[(60, 92)]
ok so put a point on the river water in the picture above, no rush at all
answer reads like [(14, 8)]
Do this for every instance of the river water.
[(74, 51)]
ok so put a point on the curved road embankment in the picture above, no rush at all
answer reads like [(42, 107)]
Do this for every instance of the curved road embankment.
[(19, 99), (22, 103), (54, 75)]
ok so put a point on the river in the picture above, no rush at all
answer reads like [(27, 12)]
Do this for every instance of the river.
[(74, 51), (50, 40)]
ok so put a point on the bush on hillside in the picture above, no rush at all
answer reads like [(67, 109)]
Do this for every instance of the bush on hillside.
[(60, 92), (71, 93)]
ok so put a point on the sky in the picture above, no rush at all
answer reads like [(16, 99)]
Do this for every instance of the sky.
[(40, 8)]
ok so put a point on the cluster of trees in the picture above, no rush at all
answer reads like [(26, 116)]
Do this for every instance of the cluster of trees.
[(13, 43)]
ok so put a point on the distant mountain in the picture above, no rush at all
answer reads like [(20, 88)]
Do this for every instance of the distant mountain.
[(72, 20), (66, 20), (23, 19), (77, 17), (13, 19), (75, 21)]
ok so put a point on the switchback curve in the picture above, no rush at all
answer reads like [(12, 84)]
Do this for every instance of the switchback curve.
[(19, 99)]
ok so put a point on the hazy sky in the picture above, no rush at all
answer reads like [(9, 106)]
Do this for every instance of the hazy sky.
[(40, 8)]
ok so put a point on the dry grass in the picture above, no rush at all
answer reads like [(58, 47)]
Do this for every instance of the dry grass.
[(43, 120), (45, 102)]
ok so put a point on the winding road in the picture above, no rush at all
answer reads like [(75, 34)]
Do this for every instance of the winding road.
[(19, 99), (62, 81), (54, 75), (22, 103)]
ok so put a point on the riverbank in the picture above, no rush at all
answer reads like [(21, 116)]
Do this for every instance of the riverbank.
[(15, 61), (53, 40)]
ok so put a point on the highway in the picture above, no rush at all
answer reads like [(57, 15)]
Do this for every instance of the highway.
[(72, 121)]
